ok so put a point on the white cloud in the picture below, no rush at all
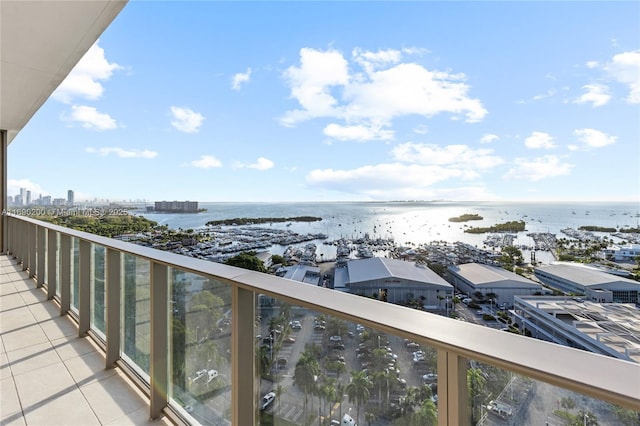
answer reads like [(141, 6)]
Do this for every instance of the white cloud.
[(14, 185), (260, 164), (90, 118), (84, 80), (240, 78), (310, 84), (358, 132), (625, 68), (123, 153), (421, 129), (549, 93), (488, 138), (592, 64), (539, 168), (186, 120), (597, 94), (206, 162), (460, 157), (539, 140), (325, 86), (396, 181), (591, 138)]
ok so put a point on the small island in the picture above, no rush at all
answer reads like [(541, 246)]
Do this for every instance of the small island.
[(513, 226), (257, 220), (465, 218), (593, 228)]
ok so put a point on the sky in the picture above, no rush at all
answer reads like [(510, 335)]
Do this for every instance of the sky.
[(346, 101)]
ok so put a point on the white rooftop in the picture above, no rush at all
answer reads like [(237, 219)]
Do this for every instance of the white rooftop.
[(491, 276), (584, 276), (616, 325), (380, 268)]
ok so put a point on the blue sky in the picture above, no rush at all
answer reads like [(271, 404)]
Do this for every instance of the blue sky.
[(323, 101)]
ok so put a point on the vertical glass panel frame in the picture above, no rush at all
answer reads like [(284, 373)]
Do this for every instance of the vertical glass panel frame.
[(200, 341), (135, 303), (75, 274), (498, 396), (98, 276), (316, 368)]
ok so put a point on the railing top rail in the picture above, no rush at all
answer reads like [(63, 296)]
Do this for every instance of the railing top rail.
[(602, 377)]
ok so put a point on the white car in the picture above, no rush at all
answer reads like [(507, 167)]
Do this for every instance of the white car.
[(347, 420), (267, 400), (211, 375), (199, 375)]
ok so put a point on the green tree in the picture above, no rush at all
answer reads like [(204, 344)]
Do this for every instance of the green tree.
[(427, 415), (358, 390), (475, 383), (305, 375), (247, 260)]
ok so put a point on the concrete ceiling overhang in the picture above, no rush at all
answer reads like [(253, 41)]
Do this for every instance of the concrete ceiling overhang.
[(40, 43)]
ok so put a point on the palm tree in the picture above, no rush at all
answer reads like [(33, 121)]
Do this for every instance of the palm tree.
[(339, 396), (279, 391), (427, 415), (475, 383), (305, 375), (358, 390)]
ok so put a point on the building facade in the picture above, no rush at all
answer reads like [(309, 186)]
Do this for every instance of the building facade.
[(596, 285), (396, 281), (504, 285)]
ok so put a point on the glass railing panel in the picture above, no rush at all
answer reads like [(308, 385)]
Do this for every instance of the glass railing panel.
[(75, 273), (317, 368), (98, 275), (501, 397), (200, 341), (135, 306)]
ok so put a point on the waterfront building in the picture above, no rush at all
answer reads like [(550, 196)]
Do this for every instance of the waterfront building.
[(611, 329), (595, 285), (303, 273), (622, 253), (399, 280), (175, 206), (100, 331), (503, 285)]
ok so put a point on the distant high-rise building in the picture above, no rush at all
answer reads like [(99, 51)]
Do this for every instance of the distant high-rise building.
[(9, 200), (70, 197), (28, 198), (46, 200), (59, 201), (23, 196)]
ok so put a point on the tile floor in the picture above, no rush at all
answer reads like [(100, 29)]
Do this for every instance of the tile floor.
[(50, 376)]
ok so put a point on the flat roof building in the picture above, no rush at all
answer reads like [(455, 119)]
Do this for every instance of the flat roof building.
[(611, 329), (597, 286), (401, 281), (475, 277)]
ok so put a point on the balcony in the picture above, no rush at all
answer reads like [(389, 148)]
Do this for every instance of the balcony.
[(177, 337)]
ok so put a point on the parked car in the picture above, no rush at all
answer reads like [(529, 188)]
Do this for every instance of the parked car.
[(267, 400), (211, 375)]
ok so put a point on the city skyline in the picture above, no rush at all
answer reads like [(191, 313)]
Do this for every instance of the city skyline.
[(286, 101)]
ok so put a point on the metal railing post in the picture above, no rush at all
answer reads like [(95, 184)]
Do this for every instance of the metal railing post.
[(113, 283), (453, 395), (243, 364), (31, 251), (84, 288), (42, 255), (52, 265), (65, 273), (159, 345)]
